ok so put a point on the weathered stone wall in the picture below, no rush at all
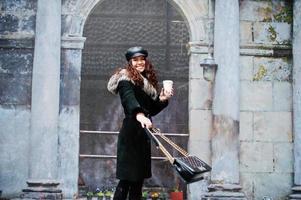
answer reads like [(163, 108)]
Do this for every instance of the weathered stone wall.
[(17, 24), (266, 159)]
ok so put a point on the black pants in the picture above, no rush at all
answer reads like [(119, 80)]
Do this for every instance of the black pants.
[(124, 187)]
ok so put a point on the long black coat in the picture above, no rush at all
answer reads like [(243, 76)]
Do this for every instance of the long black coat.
[(134, 147)]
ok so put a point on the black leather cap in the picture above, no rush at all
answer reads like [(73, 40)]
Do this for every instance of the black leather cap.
[(134, 52)]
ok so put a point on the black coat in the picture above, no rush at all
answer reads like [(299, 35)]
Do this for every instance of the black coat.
[(134, 147)]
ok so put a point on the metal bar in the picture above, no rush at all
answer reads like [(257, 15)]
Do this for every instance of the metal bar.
[(100, 132), (96, 156), (111, 156), (116, 133)]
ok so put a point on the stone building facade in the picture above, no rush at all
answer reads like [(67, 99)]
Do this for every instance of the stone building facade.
[(246, 123)]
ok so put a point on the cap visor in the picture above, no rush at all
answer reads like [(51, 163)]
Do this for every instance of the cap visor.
[(138, 54)]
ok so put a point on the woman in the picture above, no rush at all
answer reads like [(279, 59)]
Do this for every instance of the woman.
[(137, 86)]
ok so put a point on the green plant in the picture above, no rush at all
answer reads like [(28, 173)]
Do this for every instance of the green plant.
[(100, 194), (285, 15), (262, 71), (267, 12), (89, 194), (108, 193), (273, 33), (145, 194)]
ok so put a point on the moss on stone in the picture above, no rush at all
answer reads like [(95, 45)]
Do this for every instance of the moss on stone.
[(278, 14), (273, 33), (284, 15), (262, 71), (287, 42), (267, 12)]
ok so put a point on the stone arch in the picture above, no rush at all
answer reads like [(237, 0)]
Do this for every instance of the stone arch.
[(74, 15)]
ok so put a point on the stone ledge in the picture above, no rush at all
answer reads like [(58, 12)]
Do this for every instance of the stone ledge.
[(41, 195), (297, 188), (225, 195), (224, 187), (296, 193), (42, 189), (28, 43), (24, 43), (268, 50), (43, 183), (295, 196)]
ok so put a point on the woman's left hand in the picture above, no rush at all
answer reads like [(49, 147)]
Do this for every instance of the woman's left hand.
[(144, 121), (165, 95)]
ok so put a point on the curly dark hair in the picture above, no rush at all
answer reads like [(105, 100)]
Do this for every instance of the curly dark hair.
[(149, 73)]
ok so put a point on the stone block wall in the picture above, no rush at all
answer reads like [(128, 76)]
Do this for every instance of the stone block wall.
[(266, 156), (266, 148), (17, 23)]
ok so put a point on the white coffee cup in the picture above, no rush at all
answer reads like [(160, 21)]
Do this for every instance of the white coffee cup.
[(167, 85)]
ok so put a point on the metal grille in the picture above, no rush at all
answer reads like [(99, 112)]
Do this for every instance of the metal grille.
[(112, 27)]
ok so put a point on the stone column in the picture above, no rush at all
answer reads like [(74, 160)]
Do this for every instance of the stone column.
[(43, 166), (226, 104), (69, 114), (297, 99)]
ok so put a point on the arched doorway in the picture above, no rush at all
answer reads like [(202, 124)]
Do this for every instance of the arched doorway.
[(111, 28)]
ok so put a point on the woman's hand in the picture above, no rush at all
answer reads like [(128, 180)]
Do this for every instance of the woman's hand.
[(144, 121), (165, 95)]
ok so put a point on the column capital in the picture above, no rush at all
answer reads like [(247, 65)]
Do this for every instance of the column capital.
[(73, 42), (197, 47)]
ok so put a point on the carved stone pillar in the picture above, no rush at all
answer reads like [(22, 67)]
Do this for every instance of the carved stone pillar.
[(226, 108), (69, 122), (296, 190), (43, 162)]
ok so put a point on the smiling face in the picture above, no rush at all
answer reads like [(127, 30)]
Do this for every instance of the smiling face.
[(138, 63)]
